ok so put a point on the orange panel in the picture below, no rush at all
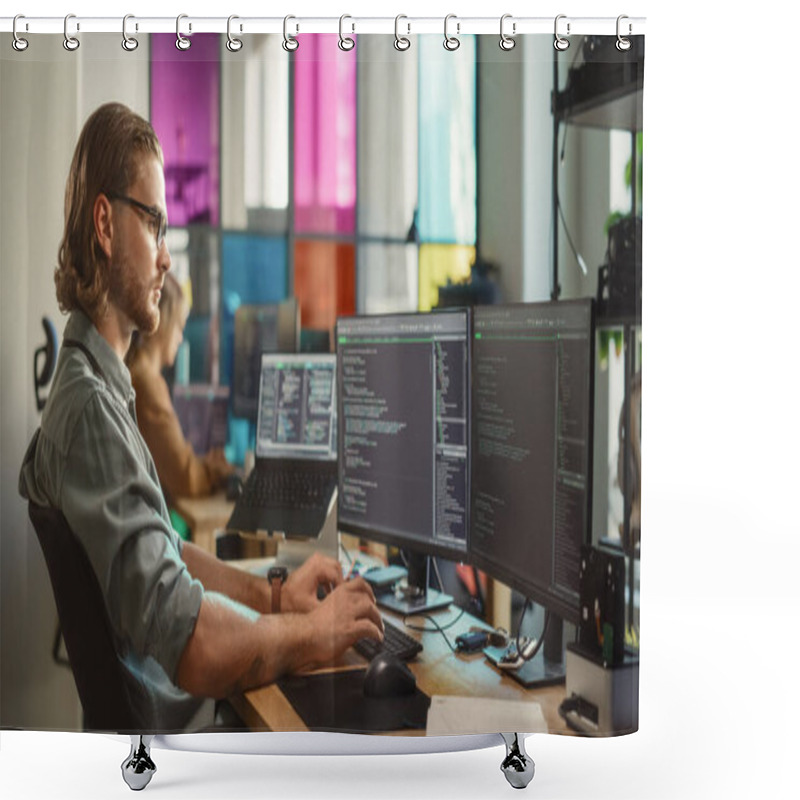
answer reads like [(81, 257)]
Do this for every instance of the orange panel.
[(324, 282)]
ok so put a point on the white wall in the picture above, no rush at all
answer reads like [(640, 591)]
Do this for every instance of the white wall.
[(45, 98)]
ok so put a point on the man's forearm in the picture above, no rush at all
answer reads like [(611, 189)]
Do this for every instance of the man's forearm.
[(217, 576), (232, 649)]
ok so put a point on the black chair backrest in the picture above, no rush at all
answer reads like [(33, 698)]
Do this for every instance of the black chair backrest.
[(85, 625)]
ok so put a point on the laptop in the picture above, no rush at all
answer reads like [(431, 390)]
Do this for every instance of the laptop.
[(293, 484)]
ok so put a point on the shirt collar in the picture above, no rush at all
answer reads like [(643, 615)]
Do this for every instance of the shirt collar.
[(83, 330)]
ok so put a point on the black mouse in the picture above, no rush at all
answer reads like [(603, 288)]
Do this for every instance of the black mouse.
[(233, 487), (388, 676)]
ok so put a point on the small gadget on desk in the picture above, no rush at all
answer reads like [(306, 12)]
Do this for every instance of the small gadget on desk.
[(293, 484), (472, 642), (383, 579), (510, 657)]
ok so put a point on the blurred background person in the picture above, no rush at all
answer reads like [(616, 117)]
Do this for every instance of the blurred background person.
[(181, 471)]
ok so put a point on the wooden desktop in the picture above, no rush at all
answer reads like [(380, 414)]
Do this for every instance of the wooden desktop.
[(207, 518), (438, 670)]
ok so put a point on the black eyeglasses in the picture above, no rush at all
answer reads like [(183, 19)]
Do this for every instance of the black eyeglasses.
[(158, 218)]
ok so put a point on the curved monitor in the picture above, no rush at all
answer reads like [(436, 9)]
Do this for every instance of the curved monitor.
[(532, 415)]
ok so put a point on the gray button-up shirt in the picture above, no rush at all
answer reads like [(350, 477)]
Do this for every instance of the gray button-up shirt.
[(89, 460)]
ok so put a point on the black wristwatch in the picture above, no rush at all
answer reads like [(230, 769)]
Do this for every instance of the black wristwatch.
[(277, 577)]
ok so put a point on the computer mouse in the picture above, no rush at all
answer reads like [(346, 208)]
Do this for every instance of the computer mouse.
[(388, 676), (233, 487)]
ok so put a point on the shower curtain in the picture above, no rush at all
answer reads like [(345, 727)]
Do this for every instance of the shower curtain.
[(390, 177)]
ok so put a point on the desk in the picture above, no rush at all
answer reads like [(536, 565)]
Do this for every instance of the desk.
[(438, 672), (205, 516)]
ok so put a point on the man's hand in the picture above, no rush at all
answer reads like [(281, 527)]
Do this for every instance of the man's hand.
[(299, 593), (347, 614)]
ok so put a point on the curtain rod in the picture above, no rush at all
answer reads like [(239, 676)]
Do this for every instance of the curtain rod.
[(404, 25)]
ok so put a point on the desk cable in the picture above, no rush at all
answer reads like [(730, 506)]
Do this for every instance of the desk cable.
[(531, 648), (437, 628)]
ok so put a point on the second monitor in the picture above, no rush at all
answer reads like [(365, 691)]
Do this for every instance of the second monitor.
[(404, 389)]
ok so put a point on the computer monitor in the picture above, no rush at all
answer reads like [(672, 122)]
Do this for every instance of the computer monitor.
[(403, 396), (532, 429), (257, 329)]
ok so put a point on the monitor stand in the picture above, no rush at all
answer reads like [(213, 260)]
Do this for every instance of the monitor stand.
[(416, 597), (547, 667)]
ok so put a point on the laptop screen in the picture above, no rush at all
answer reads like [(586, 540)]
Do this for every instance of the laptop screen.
[(297, 407)]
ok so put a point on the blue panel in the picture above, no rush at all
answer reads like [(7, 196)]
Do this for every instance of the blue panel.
[(254, 270), (447, 154), (196, 334)]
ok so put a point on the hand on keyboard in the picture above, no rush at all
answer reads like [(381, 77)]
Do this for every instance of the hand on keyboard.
[(395, 641), (346, 615)]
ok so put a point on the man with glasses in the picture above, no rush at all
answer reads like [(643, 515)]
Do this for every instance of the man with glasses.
[(186, 627)]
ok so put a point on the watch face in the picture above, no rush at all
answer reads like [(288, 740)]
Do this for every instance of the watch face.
[(278, 573)]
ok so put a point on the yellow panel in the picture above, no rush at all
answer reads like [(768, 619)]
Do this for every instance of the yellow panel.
[(437, 264)]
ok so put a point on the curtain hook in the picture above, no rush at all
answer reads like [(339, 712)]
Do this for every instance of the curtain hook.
[(560, 42), (182, 43), (129, 43), (507, 42), (401, 43), (71, 43), (290, 43), (18, 43), (233, 44), (345, 42), (623, 44), (451, 43)]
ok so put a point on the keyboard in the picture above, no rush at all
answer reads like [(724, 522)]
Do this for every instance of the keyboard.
[(289, 497), (283, 488), (395, 641)]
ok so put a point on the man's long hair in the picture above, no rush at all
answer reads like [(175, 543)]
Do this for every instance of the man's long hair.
[(107, 159)]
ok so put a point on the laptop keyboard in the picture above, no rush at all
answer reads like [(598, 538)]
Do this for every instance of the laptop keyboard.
[(287, 488)]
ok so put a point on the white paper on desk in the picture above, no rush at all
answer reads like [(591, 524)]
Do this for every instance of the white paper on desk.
[(465, 715)]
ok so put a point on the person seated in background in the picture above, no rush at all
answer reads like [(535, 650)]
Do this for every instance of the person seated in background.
[(181, 471)]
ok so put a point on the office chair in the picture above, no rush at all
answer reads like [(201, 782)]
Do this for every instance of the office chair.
[(43, 370), (104, 694)]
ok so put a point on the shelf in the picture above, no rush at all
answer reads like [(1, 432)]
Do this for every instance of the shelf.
[(605, 320), (619, 109), (604, 93)]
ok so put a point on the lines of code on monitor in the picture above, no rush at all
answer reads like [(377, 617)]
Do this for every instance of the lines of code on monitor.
[(404, 429), (531, 460)]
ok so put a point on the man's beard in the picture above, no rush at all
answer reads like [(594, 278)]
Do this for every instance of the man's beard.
[(131, 296)]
